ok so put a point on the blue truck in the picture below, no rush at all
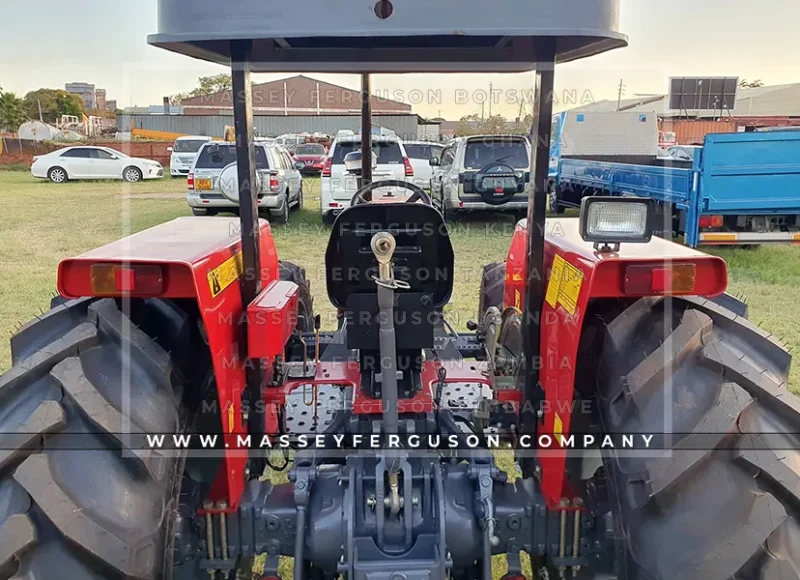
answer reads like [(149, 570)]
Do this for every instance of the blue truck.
[(739, 188)]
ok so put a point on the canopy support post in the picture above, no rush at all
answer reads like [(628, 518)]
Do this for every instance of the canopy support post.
[(537, 209), (366, 131), (250, 282)]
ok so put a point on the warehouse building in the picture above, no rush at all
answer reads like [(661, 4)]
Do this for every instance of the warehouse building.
[(297, 104), (297, 95)]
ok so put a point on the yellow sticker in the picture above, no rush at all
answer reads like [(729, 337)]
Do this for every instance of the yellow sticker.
[(565, 285), (558, 426), (230, 418), (517, 300), (225, 274)]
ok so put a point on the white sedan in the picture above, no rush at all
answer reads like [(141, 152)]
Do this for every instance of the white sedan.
[(94, 163)]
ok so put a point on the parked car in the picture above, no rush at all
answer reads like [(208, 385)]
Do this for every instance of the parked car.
[(312, 156), (183, 153), (339, 185), (213, 182), (94, 163), (420, 153), (482, 172)]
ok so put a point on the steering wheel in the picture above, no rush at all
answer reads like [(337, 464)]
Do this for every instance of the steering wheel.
[(364, 195), (494, 196)]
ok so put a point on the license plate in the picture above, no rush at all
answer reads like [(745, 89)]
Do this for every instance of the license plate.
[(203, 184), (497, 183), (309, 162)]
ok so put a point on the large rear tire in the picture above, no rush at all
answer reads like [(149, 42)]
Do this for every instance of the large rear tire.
[(724, 502), (75, 502), (493, 282), (305, 306)]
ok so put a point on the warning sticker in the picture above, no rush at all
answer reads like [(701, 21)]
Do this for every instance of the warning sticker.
[(225, 274), (565, 285)]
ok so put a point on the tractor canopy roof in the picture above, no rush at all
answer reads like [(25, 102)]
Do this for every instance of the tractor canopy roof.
[(390, 35)]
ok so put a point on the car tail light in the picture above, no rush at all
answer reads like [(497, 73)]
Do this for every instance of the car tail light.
[(660, 279), (326, 170), (711, 221), (115, 279), (190, 181), (409, 167), (273, 182)]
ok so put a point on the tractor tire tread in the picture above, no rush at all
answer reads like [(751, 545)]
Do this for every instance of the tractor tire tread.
[(493, 280), (74, 502), (724, 503)]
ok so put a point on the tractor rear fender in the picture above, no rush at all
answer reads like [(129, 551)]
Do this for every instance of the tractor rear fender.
[(575, 274), (199, 259)]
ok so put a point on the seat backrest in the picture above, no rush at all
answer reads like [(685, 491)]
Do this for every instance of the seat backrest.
[(423, 258)]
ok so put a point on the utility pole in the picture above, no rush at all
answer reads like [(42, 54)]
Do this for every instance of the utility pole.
[(620, 92), (491, 96)]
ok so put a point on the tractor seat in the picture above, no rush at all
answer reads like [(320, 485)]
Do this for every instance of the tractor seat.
[(423, 259)]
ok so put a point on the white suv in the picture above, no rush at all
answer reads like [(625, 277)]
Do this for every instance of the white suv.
[(482, 172), (183, 153), (339, 185)]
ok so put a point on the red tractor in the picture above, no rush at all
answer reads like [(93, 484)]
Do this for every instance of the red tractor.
[(650, 419)]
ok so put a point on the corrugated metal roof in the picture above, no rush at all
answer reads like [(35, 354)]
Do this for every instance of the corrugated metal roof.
[(774, 101)]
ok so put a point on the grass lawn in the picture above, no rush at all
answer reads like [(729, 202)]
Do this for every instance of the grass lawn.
[(42, 223)]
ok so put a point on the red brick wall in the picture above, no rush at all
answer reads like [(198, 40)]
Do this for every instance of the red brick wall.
[(22, 152)]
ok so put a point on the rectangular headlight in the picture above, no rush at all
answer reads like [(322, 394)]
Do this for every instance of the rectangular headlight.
[(616, 219)]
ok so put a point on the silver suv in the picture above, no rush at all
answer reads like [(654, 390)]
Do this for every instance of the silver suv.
[(214, 183), (482, 172)]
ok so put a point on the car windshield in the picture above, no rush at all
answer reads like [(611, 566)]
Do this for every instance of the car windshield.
[(218, 156), (422, 151), (188, 145), (511, 152), (311, 149), (387, 152)]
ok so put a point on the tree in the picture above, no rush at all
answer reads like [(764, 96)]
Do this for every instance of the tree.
[(12, 113), (468, 125), (54, 103), (212, 84), (745, 84), (176, 100)]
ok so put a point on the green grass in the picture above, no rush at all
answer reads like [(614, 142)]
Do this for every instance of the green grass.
[(43, 223)]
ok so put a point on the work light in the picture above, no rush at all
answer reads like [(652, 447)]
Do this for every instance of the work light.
[(609, 221)]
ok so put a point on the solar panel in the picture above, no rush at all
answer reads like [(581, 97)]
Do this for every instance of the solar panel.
[(702, 94)]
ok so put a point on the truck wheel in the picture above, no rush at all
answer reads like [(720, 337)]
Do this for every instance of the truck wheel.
[(73, 503), (553, 198), (493, 283), (724, 503), (305, 305)]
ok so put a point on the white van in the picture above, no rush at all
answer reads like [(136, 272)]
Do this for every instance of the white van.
[(183, 153), (339, 185)]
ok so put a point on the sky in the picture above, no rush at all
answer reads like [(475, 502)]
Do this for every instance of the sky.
[(104, 42)]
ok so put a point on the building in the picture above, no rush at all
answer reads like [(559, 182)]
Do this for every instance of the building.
[(775, 106), (298, 95), (85, 91), (111, 104), (100, 99)]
